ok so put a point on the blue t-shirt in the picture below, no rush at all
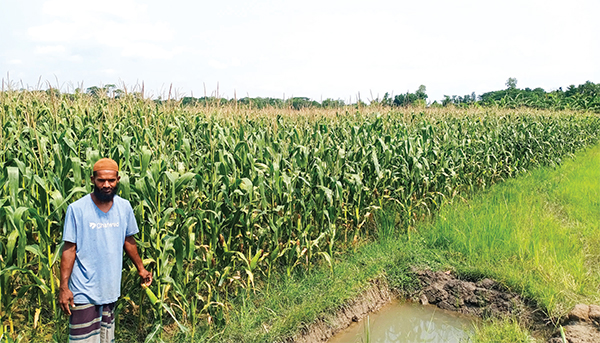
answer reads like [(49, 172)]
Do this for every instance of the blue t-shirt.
[(96, 276)]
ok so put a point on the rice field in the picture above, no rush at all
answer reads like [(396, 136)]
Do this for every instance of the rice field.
[(228, 197)]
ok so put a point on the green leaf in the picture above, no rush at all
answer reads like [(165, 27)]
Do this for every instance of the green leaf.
[(154, 334), (255, 259), (10, 246), (13, 184), (246, 185)]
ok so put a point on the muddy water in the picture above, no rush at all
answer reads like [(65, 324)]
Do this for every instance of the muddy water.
[(401, 322)]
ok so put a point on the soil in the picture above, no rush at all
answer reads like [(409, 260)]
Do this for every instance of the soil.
[(483, 299), (582, 325)]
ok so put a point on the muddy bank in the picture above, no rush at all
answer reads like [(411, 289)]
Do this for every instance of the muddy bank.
[(487, 298), (370, 300), (483, 299), (582, 325)]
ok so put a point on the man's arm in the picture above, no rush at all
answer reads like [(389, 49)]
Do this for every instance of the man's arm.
[(130, 248), (65, 296)]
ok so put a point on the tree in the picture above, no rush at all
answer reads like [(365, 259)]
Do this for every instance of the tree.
[(420, 93), (511, 83), (298, 103), (419, 98), (95, 91), (330, 103), (447, 100), (387, 99)]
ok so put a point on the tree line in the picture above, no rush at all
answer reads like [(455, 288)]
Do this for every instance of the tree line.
[(582, 97)]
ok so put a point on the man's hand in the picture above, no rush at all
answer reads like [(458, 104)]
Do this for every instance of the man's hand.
[(131, 251), (65, 299), (146, 277)]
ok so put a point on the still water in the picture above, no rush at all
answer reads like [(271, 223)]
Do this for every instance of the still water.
[(405, 322)]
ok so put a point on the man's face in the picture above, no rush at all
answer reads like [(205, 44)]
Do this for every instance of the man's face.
[(105, 184)]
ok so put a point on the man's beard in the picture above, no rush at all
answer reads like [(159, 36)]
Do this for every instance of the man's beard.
[(105, 197)]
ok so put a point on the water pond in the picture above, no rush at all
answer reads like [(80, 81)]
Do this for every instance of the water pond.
[(407, 322)]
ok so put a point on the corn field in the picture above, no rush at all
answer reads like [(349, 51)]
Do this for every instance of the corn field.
[(226, 197)]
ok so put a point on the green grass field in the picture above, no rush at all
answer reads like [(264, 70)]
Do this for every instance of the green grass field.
[(538, 234)]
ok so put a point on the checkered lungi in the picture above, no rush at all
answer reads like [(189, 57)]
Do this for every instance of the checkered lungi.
[(91, 323)]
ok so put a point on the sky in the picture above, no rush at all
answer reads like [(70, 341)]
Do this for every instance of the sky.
[(317, 49)]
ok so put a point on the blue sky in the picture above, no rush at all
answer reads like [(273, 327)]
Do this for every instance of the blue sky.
[(318, 49)]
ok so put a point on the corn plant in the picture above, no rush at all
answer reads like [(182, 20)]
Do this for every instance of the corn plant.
[(226, 197)]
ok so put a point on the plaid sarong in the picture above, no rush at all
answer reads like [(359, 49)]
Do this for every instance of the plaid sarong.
[(91, 323)]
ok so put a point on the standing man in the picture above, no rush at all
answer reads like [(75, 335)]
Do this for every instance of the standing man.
[(98, 227)]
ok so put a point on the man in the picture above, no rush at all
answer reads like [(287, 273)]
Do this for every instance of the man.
[(98, 227)]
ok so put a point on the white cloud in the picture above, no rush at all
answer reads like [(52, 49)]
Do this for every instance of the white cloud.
[(121, 24), (59, 32), (75, 58), (50, 50), (57, 51), (125, 9), (219, 64), (149, 51), (332, 48), (122, 34)]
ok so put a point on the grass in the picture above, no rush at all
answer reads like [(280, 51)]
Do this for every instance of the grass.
[(506, 330), (538, 234)]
